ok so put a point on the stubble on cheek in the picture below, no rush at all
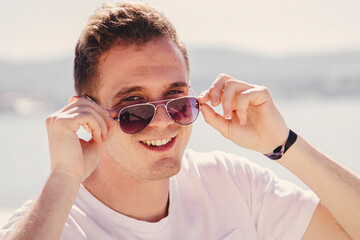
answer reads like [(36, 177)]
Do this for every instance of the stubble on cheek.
[(140, 164), (128, 156), (164, 168)]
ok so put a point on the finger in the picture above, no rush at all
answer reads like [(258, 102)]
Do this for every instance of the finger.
[(73, 99), (73, 119), (254, 96), (82, 101), (61, 122), (112, 129), (214, 119), (107, 115), (88, 119), (216, 89), (230, 95), (204, 97), (228, 98), (90, 156), (242, 107), (103, 112), (88, 146), (113, 114), (112, 123), (100, 120)]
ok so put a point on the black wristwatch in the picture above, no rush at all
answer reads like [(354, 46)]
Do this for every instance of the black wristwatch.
[(281, 150)]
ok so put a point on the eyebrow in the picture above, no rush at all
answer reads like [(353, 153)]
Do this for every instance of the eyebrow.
[(139, 88), (128, 90), (179, 84)]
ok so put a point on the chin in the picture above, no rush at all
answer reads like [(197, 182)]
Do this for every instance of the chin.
[(166, 168)]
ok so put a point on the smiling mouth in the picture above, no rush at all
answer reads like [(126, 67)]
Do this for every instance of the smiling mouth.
[(157, 142)]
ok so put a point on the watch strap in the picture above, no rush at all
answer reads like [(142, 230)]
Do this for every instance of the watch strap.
[(281, 150)]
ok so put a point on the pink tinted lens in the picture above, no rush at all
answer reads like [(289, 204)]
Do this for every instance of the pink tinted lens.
[(133, 119), (184, 111)]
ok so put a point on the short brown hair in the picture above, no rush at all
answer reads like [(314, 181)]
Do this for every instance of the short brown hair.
[(117, 24)]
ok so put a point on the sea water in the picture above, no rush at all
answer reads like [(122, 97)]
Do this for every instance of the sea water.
[(330, 124)]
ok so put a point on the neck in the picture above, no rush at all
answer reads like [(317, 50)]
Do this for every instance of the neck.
[(142, 199)]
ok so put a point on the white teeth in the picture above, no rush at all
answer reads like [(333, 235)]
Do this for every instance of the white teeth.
[(156, 142)]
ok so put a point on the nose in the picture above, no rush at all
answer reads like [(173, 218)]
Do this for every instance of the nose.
[(161, 118)]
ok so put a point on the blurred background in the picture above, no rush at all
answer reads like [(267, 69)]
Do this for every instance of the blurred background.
[(306, 52)]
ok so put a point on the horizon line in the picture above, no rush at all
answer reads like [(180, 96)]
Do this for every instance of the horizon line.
[(194, 47)]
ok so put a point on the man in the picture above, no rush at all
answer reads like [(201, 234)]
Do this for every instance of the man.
[(134, 179)]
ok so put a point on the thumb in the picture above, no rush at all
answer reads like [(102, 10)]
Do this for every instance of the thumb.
[(90, 152), (89, 149), (214, 119)]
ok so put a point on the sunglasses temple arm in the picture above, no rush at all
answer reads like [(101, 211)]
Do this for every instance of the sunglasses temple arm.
[(88, 98), (192, 90), (111, 112)]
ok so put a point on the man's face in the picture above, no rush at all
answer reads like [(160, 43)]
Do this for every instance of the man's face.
[(132, 75)]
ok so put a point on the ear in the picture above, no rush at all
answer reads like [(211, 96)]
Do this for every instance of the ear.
[(74, 98)]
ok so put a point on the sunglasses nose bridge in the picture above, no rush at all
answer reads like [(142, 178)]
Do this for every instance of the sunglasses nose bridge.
[(161, 103), (164, 104)]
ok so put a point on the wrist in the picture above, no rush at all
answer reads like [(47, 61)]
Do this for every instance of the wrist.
[(280, 150)]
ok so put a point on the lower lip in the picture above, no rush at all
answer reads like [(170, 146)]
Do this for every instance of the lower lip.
[(162, 148)]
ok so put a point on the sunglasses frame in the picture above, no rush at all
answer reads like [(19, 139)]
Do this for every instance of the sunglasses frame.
[(155, 105)]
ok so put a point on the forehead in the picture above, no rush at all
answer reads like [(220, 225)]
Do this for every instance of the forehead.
[(156, 60)]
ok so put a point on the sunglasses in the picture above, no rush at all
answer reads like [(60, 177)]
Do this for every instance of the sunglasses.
[(135, 118)]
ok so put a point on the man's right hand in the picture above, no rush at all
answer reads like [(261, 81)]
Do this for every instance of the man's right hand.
[(70, 155), (72, 160)]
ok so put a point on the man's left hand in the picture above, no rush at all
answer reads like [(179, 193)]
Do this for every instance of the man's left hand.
[(251, 119)]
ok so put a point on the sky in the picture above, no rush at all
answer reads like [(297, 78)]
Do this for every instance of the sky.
[(42, 29)]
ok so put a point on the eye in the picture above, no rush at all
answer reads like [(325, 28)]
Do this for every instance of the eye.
[(131, 98), (128, 101), (172, 92)]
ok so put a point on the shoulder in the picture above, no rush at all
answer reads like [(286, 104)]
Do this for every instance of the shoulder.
[(220, 169), (224, 169), (218, 162), (214, 159)]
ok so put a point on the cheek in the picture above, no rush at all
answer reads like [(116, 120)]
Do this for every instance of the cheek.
[(120, 144), (187, 133)]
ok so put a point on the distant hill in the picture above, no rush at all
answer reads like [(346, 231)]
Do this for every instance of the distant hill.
[(293, 76)]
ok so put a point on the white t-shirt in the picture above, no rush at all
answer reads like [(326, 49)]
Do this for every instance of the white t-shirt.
[(214, 196)]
